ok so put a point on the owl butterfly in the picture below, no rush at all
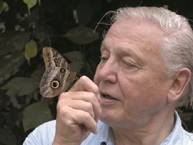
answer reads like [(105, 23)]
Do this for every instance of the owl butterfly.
[(57, 77)]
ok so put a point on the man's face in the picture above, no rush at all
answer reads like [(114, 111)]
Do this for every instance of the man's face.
[(131, 74)]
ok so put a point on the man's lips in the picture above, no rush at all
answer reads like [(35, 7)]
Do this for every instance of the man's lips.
[(106, 96)]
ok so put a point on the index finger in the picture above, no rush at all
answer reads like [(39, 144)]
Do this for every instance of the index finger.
[(85, 84)]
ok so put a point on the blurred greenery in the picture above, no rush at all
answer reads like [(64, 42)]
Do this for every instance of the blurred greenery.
[(66, 25)]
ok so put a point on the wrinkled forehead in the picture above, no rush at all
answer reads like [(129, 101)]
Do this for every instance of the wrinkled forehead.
[(136, 27), (140, 33)]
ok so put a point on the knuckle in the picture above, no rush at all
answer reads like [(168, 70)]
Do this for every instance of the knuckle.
[(60, 104), (87, 116), (83, 78), (63, 95), (92, 96), (89, 106), (62, 109)]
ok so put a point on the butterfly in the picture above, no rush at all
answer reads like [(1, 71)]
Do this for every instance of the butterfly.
[(57, 77)]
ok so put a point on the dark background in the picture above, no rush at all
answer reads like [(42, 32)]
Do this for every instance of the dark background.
[(23, 34)]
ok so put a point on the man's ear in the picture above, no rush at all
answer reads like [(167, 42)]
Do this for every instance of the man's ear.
[(180, 82)]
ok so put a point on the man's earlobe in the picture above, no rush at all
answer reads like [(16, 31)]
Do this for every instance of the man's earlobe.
[(180, 82)]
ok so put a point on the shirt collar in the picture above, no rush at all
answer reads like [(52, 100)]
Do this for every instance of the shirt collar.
[(176, 133), (106, 137)]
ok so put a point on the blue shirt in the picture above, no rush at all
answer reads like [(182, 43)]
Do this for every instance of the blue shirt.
[(44, 135)]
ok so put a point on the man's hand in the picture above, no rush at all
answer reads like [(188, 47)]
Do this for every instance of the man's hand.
[(77, 113)]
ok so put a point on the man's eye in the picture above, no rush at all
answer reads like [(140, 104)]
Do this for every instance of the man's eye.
[(128, 63), (103, 58)]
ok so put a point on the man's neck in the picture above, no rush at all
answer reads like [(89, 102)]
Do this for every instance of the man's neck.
[(151, 133)]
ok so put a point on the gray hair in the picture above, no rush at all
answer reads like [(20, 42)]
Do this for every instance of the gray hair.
[(177, 46)]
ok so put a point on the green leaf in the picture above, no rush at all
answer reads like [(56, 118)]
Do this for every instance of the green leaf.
[(74, 56), (7, 137), (11, 63), (76, 66), (36, 114), (38, 73), (81, 35), (5, 6), (19, 40), (13, 41), (21, 86), (77, 60), (30, 50), (30, 4)]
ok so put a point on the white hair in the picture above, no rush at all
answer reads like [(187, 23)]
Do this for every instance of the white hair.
[(177, 46)]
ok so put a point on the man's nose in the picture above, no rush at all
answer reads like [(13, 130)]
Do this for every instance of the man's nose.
[(109, 71)]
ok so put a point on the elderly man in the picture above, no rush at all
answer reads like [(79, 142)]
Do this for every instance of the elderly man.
[(145, 69)]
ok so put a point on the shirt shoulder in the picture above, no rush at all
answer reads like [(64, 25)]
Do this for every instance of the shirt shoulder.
[(42, 135), (178, 136), (188, 138)]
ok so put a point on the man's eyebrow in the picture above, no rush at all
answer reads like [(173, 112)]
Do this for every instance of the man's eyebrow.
[(104, 45), (128, 51)]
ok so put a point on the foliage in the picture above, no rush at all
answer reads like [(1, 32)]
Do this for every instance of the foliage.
[(25, 28), (32, 25)]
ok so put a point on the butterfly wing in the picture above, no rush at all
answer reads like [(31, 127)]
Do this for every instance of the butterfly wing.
[(57, 77)]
